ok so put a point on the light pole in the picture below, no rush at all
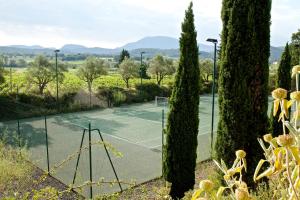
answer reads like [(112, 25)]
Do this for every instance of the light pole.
[(10, 75), (214, 41), (298, 46), (141, 68), (56, 71)]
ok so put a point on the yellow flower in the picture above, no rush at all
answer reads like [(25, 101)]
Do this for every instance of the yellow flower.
[(206, 185), (279, 93), (226, 177), (231, 172), (295, 70), (295, 96), (296, 115), (242, 194), (268, 138), (243, 185), (240, 154), (285, 140)]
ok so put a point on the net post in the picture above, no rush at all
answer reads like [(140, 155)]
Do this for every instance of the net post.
[(47, 145), (90, 159)]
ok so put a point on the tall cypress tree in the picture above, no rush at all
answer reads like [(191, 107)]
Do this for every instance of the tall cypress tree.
[(243, 79), (124, 53), (283, 81), (183, 119)]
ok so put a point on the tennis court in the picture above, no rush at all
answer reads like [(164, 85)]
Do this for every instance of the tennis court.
[(134, 130)]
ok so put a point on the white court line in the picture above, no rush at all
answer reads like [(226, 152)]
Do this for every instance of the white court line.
[(154, 147), (123, 139), (143, 141)]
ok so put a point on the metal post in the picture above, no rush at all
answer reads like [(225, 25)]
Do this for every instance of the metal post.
[(47, 145), (213, 100), (56, 71), (141, 75), (78, 158), (162, 139), (10, 79), (107, 153), (214, 41), (90, 157), (19, 134), (17, 95)]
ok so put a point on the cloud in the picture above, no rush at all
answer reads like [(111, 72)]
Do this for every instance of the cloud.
[(115, 22)]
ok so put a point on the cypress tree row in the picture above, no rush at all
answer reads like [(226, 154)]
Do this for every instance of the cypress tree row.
[(243, 80), (283, 81), (183, 119)]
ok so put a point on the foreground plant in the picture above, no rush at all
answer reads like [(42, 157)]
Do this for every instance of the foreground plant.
[(282, 157), (236, 187)]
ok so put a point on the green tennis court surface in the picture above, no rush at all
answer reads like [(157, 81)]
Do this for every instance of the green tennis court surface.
[(134, 130)]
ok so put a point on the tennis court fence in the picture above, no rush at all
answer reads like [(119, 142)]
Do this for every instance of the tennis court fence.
[(108, 150)]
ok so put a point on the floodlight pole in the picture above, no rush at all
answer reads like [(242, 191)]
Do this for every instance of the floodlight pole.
[(56, 71), (298, 46), (214, 41), (10, 75), (141, 75)]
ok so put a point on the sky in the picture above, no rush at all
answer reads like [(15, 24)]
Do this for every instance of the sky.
[(113, 23)]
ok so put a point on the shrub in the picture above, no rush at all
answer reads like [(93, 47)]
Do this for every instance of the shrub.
[(148, 91)]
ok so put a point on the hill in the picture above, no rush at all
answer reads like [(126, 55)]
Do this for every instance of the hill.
[(167, 46)]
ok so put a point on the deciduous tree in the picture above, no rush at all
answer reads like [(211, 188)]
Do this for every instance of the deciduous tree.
[(41, 72), (128, 69), (206, 69), (161, 67), (92, 69)]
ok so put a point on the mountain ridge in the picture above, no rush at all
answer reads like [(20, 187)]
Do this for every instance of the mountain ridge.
[(165, 45)]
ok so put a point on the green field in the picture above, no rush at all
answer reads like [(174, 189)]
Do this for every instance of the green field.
[(72, 83)]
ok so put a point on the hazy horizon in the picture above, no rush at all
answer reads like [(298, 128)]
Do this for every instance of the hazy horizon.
[(111, 24)]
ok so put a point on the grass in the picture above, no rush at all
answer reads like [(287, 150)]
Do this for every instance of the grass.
[(19, 179), (156, 189), (15, 172)]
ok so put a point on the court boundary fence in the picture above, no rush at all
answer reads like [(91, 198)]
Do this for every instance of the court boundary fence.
[(88, 130)]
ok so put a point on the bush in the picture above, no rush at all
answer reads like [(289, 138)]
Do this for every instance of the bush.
[(115, 96), (148, 91), (206, 88), (119, 97), (67, 99)]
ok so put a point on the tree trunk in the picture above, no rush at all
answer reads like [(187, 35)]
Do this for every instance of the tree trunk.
[(127, 83), (90, 93), (41, 89)]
